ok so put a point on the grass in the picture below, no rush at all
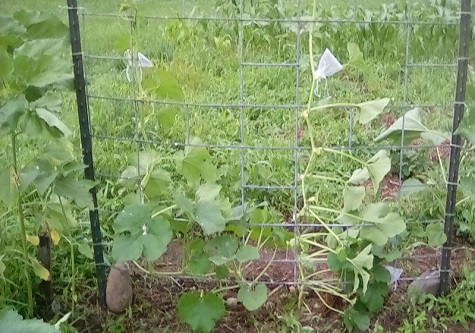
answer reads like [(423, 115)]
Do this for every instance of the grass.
[(204, 57)]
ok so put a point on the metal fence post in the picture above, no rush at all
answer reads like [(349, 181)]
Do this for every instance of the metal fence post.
[(86, 142), (459, 108)]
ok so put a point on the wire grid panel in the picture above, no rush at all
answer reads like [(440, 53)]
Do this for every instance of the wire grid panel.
[(244, 70)]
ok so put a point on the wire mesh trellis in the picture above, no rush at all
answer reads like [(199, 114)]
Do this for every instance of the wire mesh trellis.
[(245, 76)]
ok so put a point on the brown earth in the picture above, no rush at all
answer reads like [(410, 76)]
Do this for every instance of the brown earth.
[(154, 303)]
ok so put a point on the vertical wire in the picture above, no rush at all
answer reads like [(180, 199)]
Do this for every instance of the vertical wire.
[(135, 86), (296, 147), (408, 28), (242, 109)]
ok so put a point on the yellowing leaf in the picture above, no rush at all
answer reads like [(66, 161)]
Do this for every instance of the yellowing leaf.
[(33, 240), (55, 237), (40, 270)]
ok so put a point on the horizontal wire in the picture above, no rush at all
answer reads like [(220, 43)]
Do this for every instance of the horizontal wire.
[(255, 147), (406, 22), (274, 64), (249, 106)]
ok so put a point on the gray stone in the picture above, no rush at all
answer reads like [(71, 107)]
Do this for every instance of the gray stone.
[(427, 283), (232, 302), (119, 288)]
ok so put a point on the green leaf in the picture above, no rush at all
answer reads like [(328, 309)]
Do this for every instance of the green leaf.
[(12, 322), (166, 117), (8, 189), (378, 166), (12, 32), (467, 186), (38, 48), (46, 176), (359, 176), (222, 272), (388, 255), (194, 163), (354, 53), (208, 192), (371, 109), (252, 297), (222, 249), (356, 319), (184, 203), (373, 234), (200, 312), (334, 262), (122, 42), (387, 224), (380, 273), (247, 253), (74, 189), (141, 233), (466, 128), (85, 250), (60, 152), (413, 129), (162, 84), (38, 63), (6, 64), (353, 197), (209, 217), (126, 247), (10, 113), (52, 121), (435, 234), (361, 263), (157, 183), (41, 24), (375, 295), (199, 263), (412, 186)]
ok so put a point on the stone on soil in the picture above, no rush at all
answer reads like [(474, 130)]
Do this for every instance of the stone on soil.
[(427, 283), (119, 288)]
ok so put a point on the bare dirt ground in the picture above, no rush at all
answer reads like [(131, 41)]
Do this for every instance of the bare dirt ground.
[(154, 304)]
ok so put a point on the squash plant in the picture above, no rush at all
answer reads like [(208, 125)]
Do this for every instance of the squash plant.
[(42, 167)]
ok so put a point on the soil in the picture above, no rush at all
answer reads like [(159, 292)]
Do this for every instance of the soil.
[(154, 303), (155, 298), (389, 187), (442, 152)]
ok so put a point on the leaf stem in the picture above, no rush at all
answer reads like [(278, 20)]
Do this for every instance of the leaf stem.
[(164, 210)]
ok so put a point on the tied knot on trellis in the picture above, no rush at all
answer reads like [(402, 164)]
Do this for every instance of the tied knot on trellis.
[(138, 61), (327, 66)]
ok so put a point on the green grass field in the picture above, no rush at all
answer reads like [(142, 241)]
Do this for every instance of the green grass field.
[(242, 89)]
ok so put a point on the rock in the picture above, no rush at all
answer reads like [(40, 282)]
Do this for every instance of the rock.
[(232, 302), (427, 283), (119, 288)]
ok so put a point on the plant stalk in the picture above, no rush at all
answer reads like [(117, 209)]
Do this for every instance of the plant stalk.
[(21, 218)]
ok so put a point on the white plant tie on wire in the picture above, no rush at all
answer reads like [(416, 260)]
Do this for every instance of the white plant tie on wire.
[(395, 275), (142, 62), (327, 66)]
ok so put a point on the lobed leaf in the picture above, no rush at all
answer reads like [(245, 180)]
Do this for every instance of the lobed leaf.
[(410, 123), (12, 322), (140, 234), (252, 297), (371, 109), (201, 312)]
